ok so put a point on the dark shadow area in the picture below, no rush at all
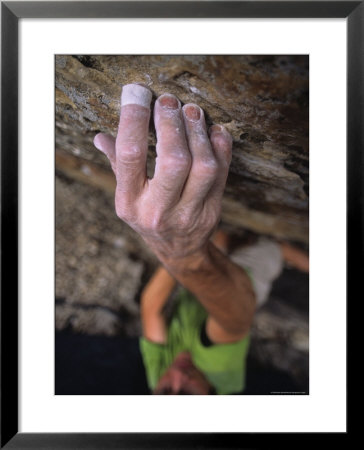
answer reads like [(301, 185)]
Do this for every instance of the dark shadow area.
[(98, 365), (263, 380), (292, 287)]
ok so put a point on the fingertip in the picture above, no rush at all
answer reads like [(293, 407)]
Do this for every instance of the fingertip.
[(220, 129), (192, 112), (105, 143), (98, 141), (220, 134), (136, 94), (168, 101), (221, 141)]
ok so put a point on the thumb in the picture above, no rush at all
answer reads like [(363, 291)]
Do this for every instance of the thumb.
[(106, 144)]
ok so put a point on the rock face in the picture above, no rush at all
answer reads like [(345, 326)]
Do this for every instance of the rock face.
[(98, 268), (262, 100)]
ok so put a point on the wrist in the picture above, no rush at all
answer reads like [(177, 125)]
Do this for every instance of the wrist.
[(197, 261)]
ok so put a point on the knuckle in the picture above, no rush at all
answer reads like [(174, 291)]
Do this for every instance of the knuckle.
[(207, 168), (183, 222), (153, 223), (130, 152), (176, 162), (187, 219)]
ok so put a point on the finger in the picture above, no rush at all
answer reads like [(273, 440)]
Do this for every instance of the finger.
[(204, 169), (132, 140), (173, 157), (106, 144), (221, 142)]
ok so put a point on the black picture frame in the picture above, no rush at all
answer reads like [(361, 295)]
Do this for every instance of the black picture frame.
[(11, 12)]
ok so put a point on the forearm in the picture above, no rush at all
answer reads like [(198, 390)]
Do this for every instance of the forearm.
[(295, 257), (222, 287), (153, 299), (157, 291)]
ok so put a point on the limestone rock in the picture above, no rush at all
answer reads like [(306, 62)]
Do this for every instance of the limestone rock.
[(98, 268), (262, 100)]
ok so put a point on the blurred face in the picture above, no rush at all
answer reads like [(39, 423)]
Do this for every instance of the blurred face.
[(183, 377)]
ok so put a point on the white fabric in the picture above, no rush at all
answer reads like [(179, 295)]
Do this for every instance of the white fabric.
[(264, 261)]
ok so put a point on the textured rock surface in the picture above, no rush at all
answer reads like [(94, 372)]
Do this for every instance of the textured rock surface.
[(99, 272), (262, 100)]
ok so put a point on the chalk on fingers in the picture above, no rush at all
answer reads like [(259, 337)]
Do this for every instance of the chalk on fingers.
[(135, 94)]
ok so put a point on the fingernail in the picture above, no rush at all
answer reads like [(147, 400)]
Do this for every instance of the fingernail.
[(192, 113), (168, 101), (217, 129), (135, 94)]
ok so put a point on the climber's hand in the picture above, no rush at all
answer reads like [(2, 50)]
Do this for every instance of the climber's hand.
[(178, 209)]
